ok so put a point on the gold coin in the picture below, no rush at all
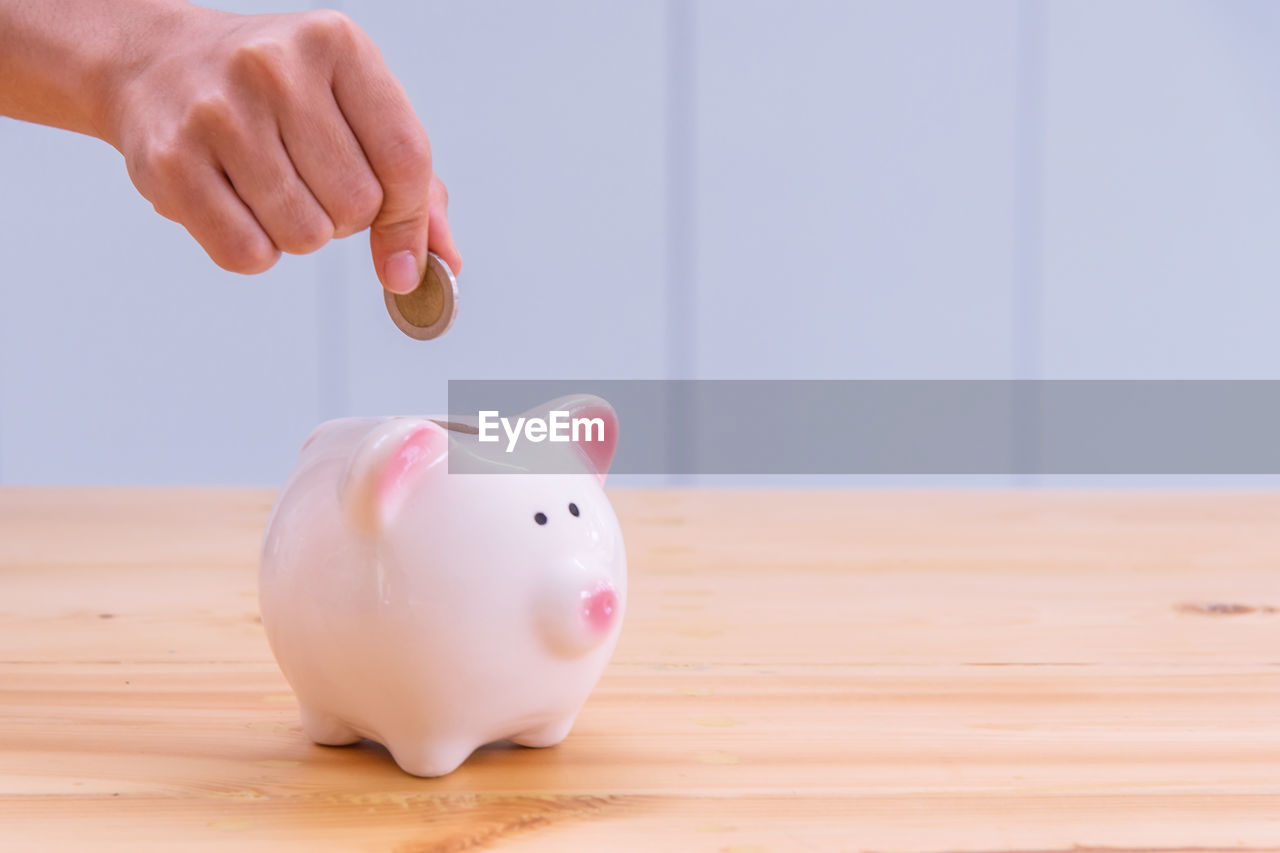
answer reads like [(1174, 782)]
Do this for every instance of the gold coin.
[(428, 310)]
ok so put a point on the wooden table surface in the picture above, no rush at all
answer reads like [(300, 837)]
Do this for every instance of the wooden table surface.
[(822, 670)]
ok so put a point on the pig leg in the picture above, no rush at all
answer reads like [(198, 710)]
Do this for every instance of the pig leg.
[(326, 729), (432, 758), (548, 735)]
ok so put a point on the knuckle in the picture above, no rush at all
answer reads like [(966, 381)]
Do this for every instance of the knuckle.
[(209, 112), (326, 29), (409, 154), (165, 162), (313, 234), (359, 207), (160, 162), (159, 171), (306, 234), (246, 254), (263, 62)]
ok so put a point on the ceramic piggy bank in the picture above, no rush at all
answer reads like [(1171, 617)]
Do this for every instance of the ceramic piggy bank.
[(420, 588)]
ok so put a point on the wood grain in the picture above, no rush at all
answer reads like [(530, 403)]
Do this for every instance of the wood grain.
[(822, 670)]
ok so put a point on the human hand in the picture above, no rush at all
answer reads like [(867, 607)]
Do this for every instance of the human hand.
[(269, 133)]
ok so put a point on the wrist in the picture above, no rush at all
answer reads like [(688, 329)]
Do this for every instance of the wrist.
[(149, 31)]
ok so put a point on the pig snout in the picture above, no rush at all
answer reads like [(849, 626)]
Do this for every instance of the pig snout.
[(599, 607), (576, 615)]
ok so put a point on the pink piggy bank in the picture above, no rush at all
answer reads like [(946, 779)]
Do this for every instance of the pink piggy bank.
[(436, 611)]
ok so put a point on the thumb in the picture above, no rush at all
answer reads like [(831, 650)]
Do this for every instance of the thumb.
[(398, 242)]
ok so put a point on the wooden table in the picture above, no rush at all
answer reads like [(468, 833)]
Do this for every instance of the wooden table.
[(799, 671)]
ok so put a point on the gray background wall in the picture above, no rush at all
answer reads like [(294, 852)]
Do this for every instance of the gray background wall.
[(713, 188)]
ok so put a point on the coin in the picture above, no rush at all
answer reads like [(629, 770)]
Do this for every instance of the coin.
[(428, 310)]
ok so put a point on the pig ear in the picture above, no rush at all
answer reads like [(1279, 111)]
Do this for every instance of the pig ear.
[(386, 466), (596, 449)]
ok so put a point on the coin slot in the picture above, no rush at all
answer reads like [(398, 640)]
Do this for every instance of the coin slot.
[(455, 426)]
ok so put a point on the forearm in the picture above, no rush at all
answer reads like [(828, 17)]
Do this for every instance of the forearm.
[(63, 61)]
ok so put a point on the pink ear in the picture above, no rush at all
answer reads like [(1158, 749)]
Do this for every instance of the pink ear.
[(386, 467), (415, 451), (599, 453)]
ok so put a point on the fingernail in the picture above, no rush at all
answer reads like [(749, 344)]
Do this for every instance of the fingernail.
[(400, 274)]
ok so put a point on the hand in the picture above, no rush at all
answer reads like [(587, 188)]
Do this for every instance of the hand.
[(264, 134)]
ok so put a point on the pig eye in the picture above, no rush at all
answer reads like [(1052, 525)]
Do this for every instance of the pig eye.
[(540, 517), (573, 510)]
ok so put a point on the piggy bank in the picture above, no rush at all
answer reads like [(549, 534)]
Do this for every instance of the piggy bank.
[(435, 592)]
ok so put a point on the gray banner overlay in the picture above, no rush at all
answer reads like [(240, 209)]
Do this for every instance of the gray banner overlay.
[(918, 427)]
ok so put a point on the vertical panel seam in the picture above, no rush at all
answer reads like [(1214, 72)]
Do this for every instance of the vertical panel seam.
[(1028, 233), (1028, 179), (681, 254), (681, 233)]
